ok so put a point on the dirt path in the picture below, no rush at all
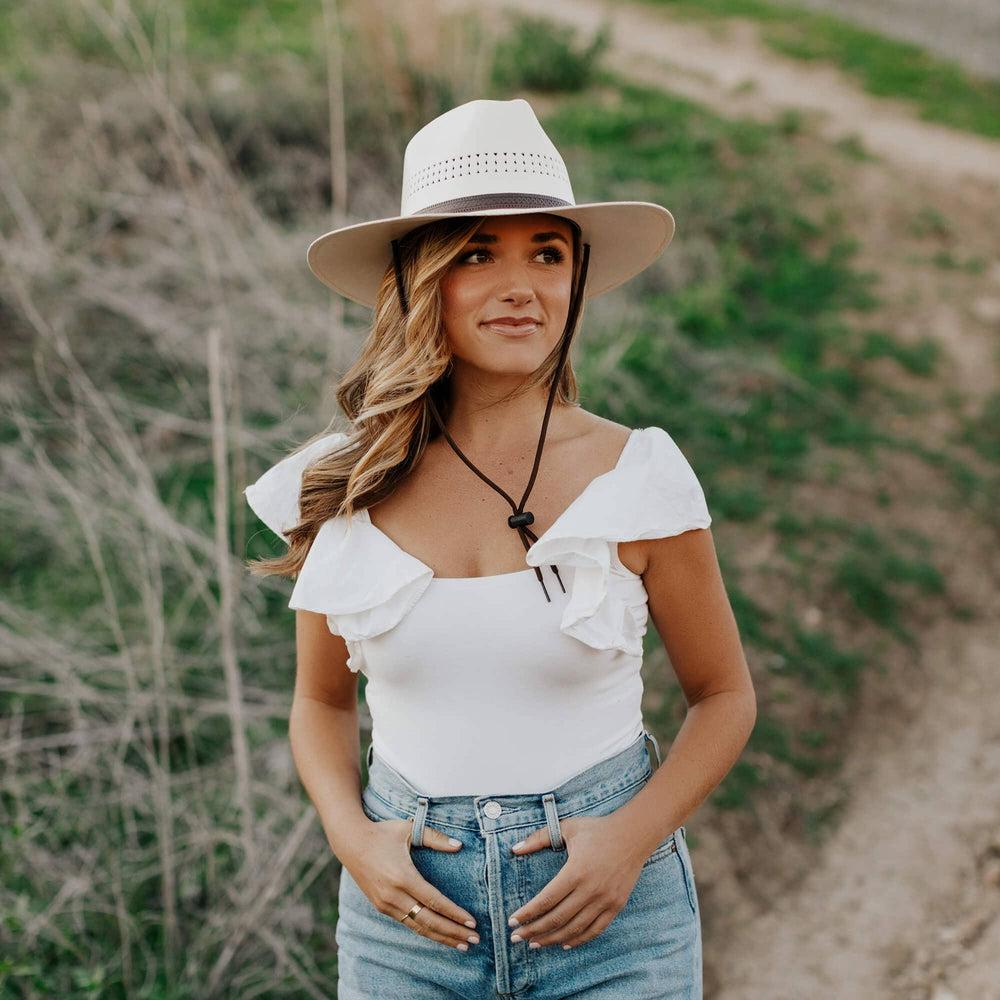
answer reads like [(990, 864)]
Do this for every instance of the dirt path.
[(902, 901), (725, 67)]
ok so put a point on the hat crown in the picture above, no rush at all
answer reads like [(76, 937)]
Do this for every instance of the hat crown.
[(482, 148)]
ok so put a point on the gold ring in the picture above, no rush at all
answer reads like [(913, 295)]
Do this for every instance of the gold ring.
[(414, 910)]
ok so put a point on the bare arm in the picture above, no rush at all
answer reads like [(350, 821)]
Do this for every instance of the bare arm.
[(323, 731), (690, 608), (324, 736)]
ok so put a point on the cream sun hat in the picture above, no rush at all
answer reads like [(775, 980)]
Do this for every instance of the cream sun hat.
[(494, 158), (490, 158)]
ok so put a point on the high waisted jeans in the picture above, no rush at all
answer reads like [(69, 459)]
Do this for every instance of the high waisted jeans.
[(652, 948)]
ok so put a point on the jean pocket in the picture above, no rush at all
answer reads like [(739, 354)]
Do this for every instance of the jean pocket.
[(377, 809), (663, 850)]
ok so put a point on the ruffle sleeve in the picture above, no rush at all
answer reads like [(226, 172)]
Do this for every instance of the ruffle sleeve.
[(354, 574), (274, 497), (360, 579), (652, 493)]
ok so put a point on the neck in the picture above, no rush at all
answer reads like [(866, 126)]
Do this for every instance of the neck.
[(482, 421)]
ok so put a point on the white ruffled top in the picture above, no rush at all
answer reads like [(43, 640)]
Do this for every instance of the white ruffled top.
[(365, 583), (486, 651)]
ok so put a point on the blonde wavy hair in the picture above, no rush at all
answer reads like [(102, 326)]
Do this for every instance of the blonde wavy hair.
[(405, 360)]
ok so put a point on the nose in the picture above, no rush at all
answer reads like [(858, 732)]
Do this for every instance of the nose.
[(515, 286), (518, 295)]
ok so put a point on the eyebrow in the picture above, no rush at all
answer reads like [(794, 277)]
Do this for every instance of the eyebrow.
[(537, 238)]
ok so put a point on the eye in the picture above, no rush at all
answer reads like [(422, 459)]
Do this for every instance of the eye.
[(469, 253), (557, 255)]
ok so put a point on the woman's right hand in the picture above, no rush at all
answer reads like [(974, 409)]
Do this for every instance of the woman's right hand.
[(386, 874)]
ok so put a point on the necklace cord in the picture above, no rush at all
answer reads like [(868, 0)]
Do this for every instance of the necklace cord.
[(520, 518)]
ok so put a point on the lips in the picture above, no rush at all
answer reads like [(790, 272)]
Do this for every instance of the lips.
[(506, 328)]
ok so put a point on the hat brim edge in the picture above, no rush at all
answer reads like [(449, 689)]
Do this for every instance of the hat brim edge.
[(326, 255)]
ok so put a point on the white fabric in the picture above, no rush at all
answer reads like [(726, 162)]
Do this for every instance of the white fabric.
[(479, 685)]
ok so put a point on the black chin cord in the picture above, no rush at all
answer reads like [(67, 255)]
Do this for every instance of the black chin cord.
[(520, 518)]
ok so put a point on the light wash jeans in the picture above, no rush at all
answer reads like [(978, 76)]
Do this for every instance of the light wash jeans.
[(652, 948)]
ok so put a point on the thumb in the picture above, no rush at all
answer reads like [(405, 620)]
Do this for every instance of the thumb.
[(535, 841), (439, 841)]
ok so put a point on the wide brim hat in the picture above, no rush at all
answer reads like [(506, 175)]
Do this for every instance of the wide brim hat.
[(487, 158)]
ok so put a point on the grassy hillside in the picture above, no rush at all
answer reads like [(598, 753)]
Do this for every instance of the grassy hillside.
[(164, 342)]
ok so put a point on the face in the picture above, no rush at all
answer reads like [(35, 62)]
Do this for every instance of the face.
[(517, 267)]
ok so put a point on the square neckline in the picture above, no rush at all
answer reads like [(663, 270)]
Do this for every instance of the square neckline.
[(633, 433)]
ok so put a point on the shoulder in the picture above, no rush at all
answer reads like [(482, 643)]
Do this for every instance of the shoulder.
[(672, 502), (594, 434), (651, 447), (274, 496)]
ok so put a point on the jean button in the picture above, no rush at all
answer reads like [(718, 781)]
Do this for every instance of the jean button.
[(492, 809)]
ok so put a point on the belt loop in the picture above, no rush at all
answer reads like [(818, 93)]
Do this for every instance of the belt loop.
[(650, 738), (419, 817), (552, 821)]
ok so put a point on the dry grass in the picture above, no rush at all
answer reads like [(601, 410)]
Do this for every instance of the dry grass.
[(162, 340)]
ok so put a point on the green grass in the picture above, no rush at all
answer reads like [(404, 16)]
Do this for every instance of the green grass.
[(749, 340), (939, 89), (980, 430), (542, 58), (537, 55), (213, 30)]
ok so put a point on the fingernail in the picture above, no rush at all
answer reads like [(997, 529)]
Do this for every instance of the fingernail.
[(454, 842), (566, 947), (518, 845), (515, 937), (534, 944), (462, 947), (513, 922), (470, 923), (473, 939)]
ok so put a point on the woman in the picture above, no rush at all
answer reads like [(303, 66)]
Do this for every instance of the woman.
[(511, 812)]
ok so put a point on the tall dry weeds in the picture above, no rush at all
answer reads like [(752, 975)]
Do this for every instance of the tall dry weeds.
[(162, 342)]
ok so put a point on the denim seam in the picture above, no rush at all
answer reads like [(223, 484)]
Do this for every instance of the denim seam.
[(687, 882)]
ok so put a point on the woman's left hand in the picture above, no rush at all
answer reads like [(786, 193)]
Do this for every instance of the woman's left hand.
[(590, 889)]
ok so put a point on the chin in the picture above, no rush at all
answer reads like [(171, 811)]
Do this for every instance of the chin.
[(513, 366)]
